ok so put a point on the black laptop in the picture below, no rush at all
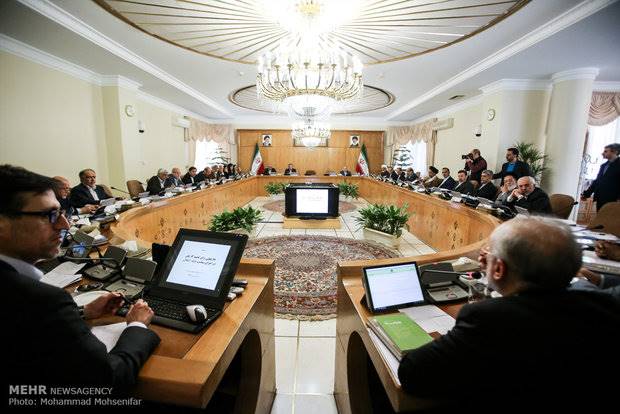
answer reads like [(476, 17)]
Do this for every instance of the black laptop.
[(198, 270)]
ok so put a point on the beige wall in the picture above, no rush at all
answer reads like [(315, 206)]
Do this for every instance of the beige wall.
[(50, 122), (56, 124)]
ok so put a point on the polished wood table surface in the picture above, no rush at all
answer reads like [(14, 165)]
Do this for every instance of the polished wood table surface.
[(186, 369)]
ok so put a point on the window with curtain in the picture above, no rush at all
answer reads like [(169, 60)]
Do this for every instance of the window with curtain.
[(206, 152), (598, 137), (417, 150)]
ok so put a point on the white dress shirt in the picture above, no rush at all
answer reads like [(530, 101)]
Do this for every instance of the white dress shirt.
[(93, 193)]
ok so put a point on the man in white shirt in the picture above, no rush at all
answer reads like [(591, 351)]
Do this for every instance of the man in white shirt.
[(87, 192), (50, 343)]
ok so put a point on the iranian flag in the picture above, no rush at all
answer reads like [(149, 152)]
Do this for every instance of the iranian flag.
[(362, 162), (257, 162)]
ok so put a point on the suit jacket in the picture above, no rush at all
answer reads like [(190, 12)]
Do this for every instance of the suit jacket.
[(154, 187), (475, 168), (289, 172), (51, 344), (393, 176), (521, 169), (464, 188), (65, 204), (80, 195), (521, 349), (432, 183), (188, 179), (606, 187), (449, 184), (346, 173), (173, 181), (385, 174), (488, 191), (536, 202)]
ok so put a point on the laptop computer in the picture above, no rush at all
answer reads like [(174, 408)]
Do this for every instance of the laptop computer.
[(198, 270)]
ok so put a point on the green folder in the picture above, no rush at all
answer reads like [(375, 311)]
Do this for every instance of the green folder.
[(399, 329)]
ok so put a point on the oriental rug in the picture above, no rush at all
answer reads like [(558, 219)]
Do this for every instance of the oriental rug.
[(278, 206), (305, 283)]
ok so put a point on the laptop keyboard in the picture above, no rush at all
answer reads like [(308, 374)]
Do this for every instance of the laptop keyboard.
[(173, 310)]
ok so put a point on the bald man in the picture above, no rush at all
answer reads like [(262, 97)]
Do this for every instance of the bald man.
[(63, 190), (523, 349), (528, 196)]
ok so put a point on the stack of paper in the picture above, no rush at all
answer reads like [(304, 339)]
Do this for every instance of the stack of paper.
[(593, 262), (63, 275), (430, 318)]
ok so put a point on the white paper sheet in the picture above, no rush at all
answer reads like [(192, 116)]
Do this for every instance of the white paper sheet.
[(109, 334), (60, 280), (389, 358), (430, 318), (67, 268)]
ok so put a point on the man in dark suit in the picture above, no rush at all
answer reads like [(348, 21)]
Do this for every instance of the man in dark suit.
[(448, 182), (487, 189), (522, 349), (63, 189), (190, 176), (528, 196), (606, 187), (463, 186), (158, 183), (393, 175), (514, 166), (87, 192), (290, 170), (410, 175), (50, 343), (345, 171), (174, 179), (384, 171)]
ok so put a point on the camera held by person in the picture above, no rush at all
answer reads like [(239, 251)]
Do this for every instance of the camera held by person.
[(469, 156)]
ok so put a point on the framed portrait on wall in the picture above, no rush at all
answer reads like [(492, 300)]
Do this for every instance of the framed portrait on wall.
[(266, 140), (354, 141)]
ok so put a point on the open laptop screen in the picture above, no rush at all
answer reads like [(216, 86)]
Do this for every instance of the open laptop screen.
[(202, 262)]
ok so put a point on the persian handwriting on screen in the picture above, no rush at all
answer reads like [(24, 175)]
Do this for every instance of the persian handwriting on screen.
[(203, 260)]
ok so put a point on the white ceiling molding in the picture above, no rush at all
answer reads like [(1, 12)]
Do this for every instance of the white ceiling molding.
[(25, 51), (449, 110), (336, 123), (119, 81), (566, 19), (573, 74), (606, 86), (516, 85), (67, 20)]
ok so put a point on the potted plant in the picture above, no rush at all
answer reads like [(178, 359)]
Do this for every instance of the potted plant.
[(536, 159), (240, 220), (348, 190), (275, 190), (383, 223)]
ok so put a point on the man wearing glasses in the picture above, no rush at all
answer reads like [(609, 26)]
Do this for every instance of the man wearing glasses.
[(87, 192), (50, 343), (63, 190)]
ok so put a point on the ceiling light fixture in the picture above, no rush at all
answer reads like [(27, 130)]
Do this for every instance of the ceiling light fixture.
[(310, 132)]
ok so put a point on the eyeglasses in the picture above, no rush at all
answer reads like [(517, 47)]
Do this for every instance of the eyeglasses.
[(52, 215)]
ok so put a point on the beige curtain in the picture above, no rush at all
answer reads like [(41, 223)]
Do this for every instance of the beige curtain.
[(423, 131), (604, 108), (224, 134)]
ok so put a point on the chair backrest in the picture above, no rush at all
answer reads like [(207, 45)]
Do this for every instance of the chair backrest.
[(561, 205), (608, 218), (310, 172), (474, 183), (134, 187), (107, 190)]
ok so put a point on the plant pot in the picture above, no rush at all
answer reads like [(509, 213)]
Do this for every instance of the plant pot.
[(251, 235), (381, 237)]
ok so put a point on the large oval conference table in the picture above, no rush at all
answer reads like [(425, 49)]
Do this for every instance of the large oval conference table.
[(237, 350)]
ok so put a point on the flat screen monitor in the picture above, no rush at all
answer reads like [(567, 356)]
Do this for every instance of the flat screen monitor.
[(390, 287), (311, 200)]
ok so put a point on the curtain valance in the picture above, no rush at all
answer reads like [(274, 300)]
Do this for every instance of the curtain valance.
[(604, 108)]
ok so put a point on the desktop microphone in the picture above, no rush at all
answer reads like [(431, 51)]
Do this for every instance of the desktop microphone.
[(122, 191)]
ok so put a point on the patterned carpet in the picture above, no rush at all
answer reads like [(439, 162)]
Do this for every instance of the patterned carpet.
[(278, 206), (305, 275)]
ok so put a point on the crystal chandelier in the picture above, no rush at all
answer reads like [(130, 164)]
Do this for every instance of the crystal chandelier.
[(307, 77), (310, 132)]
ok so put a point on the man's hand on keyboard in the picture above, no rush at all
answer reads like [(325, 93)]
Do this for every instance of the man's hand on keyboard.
[(140, 312)]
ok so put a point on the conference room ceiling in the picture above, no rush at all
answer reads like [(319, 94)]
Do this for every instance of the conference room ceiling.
[(539, 39)]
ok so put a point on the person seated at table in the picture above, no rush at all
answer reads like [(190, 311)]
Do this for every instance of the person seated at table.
[(384, 171), (190, 176), (174, 179), (49, 341), (228, 171), (410, 175), (463, 186), (528, 196), (345, 171), (393, 176), (595, 281), (447, 182), (269, 171), (87, 191), (519, 350), (487, 189), (62, 191), (432, 179), (219, 173), (510, 183), (158, 183), (290, 170), (400, 174)]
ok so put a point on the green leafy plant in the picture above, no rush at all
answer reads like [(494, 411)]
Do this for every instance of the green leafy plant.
[(534, 157), (240, 218), (384, 218), (275, 188), (349, 190)]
